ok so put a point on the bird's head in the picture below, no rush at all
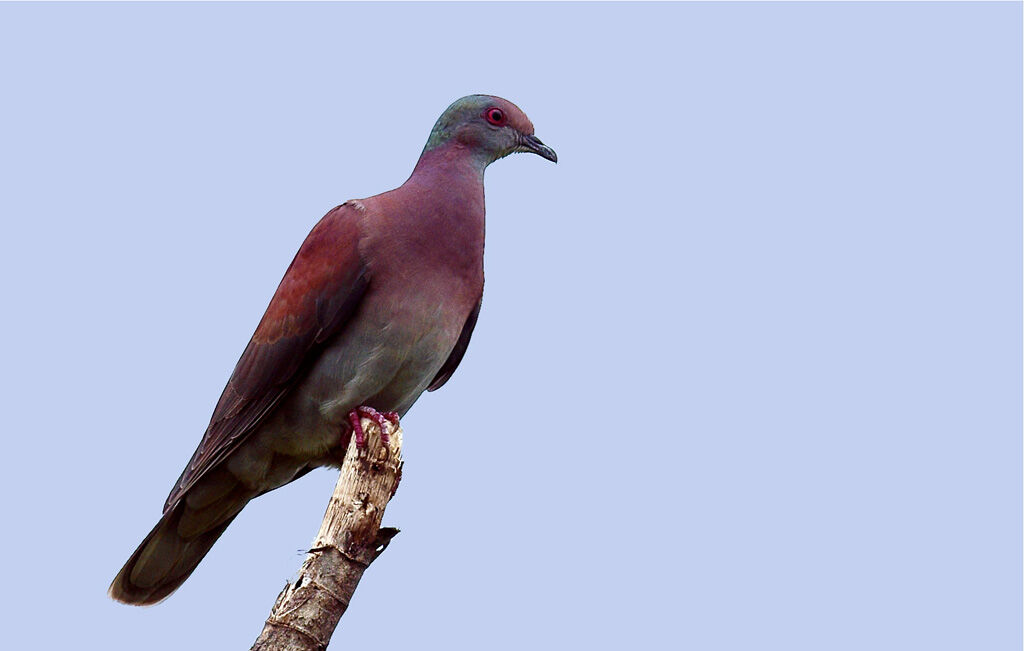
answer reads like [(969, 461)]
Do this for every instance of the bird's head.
[(488, 128)]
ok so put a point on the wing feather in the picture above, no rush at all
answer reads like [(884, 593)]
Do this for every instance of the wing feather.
[(318, 295), (456, 355)]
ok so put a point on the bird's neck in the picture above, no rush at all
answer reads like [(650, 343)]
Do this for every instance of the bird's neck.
[(451, 179), (450, 161), (447, 186)]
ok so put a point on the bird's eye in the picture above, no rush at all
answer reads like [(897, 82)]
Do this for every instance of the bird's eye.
[(496, 116)]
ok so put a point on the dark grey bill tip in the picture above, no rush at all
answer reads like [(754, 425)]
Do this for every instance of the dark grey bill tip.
[(533, 145)]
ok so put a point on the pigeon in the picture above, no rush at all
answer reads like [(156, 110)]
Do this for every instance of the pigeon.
[(377, 307)]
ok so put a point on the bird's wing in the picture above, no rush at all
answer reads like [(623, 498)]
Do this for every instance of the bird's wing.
[(456, 355), (316, 298)]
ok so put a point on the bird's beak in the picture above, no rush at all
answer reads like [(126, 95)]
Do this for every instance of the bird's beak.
[(533, 145)]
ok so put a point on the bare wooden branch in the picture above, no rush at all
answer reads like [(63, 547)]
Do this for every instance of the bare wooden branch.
[(307, 611)]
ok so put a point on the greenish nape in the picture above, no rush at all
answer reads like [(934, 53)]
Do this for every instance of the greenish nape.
[(460, 111)]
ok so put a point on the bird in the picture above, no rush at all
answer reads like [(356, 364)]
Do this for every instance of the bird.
[(377, 307)]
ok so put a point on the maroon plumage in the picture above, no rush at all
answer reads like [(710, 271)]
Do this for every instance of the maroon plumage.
[(378, 306)]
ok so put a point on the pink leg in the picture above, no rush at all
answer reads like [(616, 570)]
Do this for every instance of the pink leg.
[(382, 420)]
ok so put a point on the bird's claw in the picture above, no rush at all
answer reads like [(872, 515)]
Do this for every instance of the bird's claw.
[(381, 418)]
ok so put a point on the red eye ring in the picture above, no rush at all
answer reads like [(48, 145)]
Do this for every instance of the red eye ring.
[(495, 116)]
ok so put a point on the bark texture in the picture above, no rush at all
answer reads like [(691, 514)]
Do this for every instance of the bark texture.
[(307, 611)]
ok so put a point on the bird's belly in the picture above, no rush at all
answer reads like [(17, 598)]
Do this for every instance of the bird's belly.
[(384, 363), (398, 359)]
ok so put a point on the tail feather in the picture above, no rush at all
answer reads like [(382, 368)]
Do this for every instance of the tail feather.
[(173, 549), (194, 522)]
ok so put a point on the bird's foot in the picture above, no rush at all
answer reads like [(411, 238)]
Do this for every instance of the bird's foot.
[(381, 418)]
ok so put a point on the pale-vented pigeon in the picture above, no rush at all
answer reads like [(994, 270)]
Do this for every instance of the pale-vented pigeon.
[(377, 307)]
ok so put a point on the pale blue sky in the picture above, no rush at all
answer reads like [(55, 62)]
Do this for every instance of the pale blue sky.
[(748, 371)]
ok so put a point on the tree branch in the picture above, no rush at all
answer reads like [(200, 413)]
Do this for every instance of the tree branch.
[(350, 538)]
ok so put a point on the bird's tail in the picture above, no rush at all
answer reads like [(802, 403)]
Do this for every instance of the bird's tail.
[(174, 547)]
